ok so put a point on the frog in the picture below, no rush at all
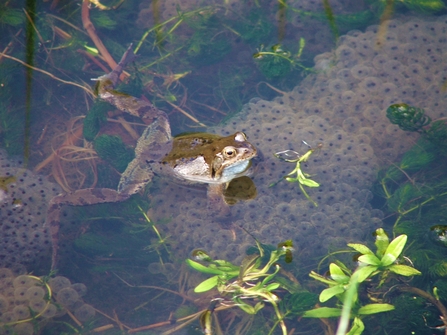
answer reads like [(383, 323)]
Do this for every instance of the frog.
[(203, 158)]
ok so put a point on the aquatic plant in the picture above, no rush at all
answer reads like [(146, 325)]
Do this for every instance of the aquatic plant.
[(255, 283), (408, 186), (33, 297), (254, 28), (344, 283), (112, 150), (414, 119), (408, 118), (95, 119), (301, 178), (278, 62)]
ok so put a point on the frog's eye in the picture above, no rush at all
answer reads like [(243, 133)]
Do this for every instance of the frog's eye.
[(229, 152)]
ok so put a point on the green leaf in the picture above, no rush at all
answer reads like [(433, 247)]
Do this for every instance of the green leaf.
[(323, 312), (337, 274), (202, 268), (396, 246), (207, 285), (363, 249), (248, 263), (402, 196), (246, 308), (270, 276), (321, 278), (297, 303), (363, 273), (328, 293), (369, 259), (388, 259), (309, 183), (357, 327), (404, 270), (259, 306), (256, 288), (272, 287), (375, 308), (382, 242)]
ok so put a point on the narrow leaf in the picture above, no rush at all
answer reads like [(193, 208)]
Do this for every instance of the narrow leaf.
[(259, 306), (357, 327), (337, 274), (382, 242), (387, 260), (375, 308), (204, 269), (364, 273), (323, 312), (404, 270), (363, 249), (396, 246), (309, 183), (328, 293), (247, 264), (207, 285), (247, 308), (270, 276), (272, 287), (321, 278), (369, 259)]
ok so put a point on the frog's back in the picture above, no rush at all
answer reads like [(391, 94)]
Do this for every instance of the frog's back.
[(209, 158)]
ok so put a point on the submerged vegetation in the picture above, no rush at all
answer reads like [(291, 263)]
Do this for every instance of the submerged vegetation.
[(376, 291), (301, 178)]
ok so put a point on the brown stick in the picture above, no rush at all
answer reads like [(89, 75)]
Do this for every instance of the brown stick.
[(6, 49), (427, 296), (87, 89), (102, 328), (88, 26), (93, 60)]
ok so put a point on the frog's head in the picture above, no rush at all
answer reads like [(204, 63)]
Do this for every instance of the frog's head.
[(233, 158)]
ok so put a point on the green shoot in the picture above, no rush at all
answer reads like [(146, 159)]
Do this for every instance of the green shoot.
[(344, 284), (248, 282), (301, 177)]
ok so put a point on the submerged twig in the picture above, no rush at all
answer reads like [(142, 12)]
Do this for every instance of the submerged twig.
[(85, 88)]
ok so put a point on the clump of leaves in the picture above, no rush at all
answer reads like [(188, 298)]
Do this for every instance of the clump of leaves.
[(414, 119), (113, 150), (301, 177), (11, 16), (409, 185), (248, 286), (344, 283), (208, 44), (279, 62), (95, 119), (255, 28)]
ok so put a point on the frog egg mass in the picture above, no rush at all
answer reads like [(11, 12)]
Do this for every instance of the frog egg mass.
[(343, 107), (22, 297), (23, 201)]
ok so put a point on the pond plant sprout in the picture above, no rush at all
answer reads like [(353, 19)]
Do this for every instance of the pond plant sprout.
[(344, 284), (254, 284), (301, 177)]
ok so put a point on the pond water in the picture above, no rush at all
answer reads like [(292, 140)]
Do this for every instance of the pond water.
[(313, 77)]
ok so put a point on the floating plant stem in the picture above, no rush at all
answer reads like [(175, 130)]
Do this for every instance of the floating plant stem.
[(301, 177)]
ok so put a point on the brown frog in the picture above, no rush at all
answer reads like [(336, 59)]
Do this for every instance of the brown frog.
[(194, 158)]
